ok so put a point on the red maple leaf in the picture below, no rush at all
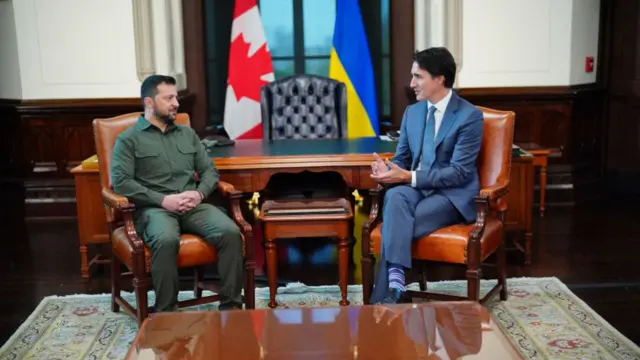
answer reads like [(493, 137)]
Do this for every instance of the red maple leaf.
[(245, 72)]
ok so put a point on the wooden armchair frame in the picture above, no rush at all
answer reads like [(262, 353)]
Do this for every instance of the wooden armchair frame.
[(135, 255), (475, 242)]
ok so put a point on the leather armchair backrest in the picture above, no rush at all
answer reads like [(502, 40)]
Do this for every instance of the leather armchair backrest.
[(304, 107), (105, 133), (494, 160)]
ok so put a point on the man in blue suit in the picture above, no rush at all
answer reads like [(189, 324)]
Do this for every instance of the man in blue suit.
[(433, 176)]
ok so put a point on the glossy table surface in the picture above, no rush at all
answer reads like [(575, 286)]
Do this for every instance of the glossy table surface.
[(435, 330)]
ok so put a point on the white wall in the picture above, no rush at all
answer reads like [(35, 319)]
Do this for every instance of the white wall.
[(584, 39), (502, 43), (9, 65), (70, 49)]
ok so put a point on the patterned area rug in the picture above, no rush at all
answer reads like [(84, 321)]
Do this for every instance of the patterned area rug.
[(542, 318)]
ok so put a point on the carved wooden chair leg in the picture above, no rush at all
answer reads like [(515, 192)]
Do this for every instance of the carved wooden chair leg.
[(249, 285), (423, 276), (367, 262), (198, 281), (343, 268), (141, 286), (502, 270), (473, 283), (115, 282)]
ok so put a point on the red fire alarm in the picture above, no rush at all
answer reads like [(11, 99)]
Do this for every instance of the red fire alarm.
[(588, 66)]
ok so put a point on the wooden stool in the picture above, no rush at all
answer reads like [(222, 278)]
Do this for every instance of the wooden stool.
[(289, 219)]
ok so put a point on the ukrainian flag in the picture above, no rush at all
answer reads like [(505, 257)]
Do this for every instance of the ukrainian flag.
[(351, 63)]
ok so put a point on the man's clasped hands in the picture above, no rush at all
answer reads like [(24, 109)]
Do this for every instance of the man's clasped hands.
[(182, 202), (388, 172)]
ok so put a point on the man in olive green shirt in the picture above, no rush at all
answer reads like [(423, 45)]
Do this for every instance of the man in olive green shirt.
[(153, 165)]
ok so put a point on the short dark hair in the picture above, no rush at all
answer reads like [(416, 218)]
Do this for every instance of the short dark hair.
[(149, 87), (437, 61)]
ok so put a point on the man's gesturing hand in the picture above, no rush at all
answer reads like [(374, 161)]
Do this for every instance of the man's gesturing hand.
[(395, 175), (378, 167)]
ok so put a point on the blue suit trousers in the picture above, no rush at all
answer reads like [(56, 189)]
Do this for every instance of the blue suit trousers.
[(409, 214)]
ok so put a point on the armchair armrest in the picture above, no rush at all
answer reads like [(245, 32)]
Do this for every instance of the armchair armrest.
[(493, 193), (228, 190), (121, 204), (375, 216), (485, 201), (115, 201), (234, 196)]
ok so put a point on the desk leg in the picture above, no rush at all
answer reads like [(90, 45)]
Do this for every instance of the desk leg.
[(543, 188), (84, 261), (343, 268)]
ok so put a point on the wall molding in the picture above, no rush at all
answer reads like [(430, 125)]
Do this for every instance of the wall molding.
[(166, 17), (439, 23), (143, 30)]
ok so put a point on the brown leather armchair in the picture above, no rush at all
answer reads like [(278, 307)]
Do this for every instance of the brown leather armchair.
[(129, 249), (464, 244)]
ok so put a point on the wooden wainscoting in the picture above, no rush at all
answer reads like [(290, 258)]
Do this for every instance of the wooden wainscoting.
[(43, 139), (568, 120)]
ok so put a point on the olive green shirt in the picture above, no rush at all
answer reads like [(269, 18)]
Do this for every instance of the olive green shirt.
[(148, 164)]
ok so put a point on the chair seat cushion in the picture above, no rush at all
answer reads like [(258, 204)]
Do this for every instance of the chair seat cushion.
[(193, 251), (449, 244)]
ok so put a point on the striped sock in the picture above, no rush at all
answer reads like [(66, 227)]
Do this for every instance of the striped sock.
[(396, 277)]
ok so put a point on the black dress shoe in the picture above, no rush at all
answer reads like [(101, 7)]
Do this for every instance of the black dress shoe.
[(394, 296)]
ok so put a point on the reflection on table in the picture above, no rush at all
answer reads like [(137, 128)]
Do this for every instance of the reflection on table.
[(436, 330)]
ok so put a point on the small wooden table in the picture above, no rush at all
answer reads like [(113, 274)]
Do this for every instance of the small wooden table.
[(293, 219), (540, 159), (443, 330)]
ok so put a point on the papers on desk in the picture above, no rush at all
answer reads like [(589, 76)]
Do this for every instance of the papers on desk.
[(390, 136)]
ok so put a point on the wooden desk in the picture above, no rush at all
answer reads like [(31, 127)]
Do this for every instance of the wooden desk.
[(250, 163)]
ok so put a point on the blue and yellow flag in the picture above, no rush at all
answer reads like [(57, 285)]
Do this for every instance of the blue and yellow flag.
[(351, 63)]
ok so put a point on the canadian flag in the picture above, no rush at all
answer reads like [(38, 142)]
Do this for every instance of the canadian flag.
[(250, 68)]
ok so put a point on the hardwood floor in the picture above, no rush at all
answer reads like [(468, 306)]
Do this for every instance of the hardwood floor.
[(593, 249)]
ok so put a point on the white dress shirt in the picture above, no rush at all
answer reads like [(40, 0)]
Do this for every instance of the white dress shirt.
[(441, 107)]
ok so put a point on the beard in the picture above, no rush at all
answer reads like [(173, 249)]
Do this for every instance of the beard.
[(166, 117)]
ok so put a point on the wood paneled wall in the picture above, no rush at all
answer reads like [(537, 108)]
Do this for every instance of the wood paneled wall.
[(568, 120), (43, 139), (621, 76)]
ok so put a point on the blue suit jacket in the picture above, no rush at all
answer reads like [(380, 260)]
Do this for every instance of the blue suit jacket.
[(457, 144)]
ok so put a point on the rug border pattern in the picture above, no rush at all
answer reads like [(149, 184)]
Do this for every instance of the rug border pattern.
[(576, 310)]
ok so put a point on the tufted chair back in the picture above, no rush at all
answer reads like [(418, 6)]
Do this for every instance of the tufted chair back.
[(304, 107)]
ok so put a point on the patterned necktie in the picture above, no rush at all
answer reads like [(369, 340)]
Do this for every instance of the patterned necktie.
[(428, 140)]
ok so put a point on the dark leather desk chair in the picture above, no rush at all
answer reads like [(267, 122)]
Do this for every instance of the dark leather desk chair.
[(304, 107), (129, 249)]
